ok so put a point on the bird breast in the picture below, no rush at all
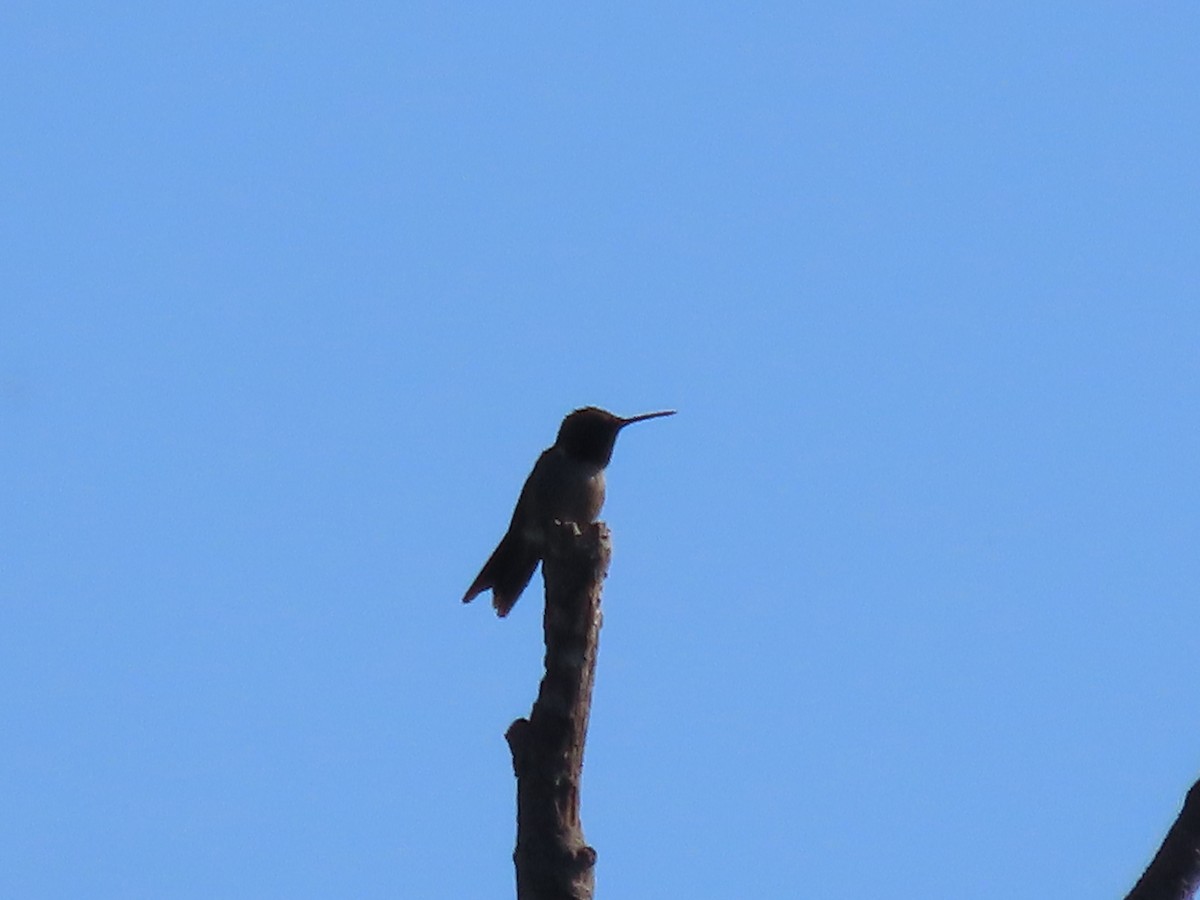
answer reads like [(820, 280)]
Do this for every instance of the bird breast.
[(569, 490)]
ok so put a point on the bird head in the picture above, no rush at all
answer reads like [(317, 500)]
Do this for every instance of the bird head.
[(590, 433)]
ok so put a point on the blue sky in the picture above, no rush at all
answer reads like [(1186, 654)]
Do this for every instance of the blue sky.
[(903, 601)]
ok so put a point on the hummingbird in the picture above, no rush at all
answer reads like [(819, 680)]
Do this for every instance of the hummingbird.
[(566, 485)]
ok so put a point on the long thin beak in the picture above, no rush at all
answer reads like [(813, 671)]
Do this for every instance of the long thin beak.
[(644, 416)]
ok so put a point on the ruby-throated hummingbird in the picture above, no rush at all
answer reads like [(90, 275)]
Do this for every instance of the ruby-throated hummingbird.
[(566, 485)]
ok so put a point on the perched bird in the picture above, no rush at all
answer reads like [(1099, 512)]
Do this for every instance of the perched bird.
[(566, 485)]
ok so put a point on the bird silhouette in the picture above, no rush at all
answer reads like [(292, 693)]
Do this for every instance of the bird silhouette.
[(566, 485)]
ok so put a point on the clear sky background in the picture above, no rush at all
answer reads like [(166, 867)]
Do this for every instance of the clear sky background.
[(904, 602)]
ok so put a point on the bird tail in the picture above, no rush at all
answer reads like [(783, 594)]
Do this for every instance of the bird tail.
[(507, 572)]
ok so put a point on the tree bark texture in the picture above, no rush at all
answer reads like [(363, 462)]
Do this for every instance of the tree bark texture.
[(553, 860), (1174, 873)]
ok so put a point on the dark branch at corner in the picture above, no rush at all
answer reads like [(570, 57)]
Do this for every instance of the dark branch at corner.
[(1174, 873)]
